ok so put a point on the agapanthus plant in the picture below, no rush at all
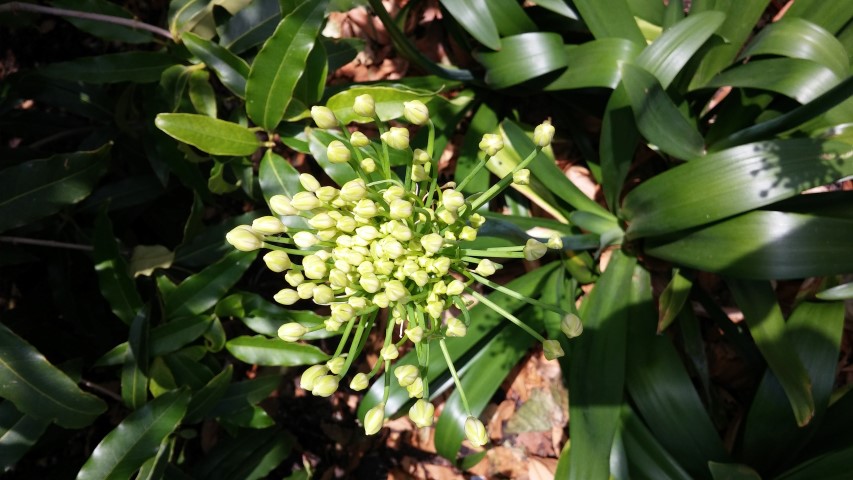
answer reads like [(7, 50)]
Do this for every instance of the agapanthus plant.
[(382, 242)]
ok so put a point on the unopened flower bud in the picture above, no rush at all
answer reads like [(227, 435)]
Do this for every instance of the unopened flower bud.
[(354, 190), (374, 419), (396, 138), (432, 242), (552, 349), (365, 208), (420, 157), (294, 278), (476, 431), (364, 106), (400, 209), (477, 220), (390, 352), (368, 165), (456, 328), (243, 238), (313, 267), (336, 364), (393, 193), (452, 200), (370, 283), (468, 234), (446, 216), (486, 267), (267, 225), (416, 112), (326, 194), (324, 117), (337, 152), (357, 303), (534, 250), (420, 277), (305, 290), (291, 332), (277, 261), (359, 382), (422, 413), (406, 374), (521, 177), (543, 134), (441, 265), (434, 308), (358, 140), (419, 173), (305, 201), (323, 295), (491, 144), (395, 291), (381, 300), (325, 385), (280, 205), (305, 240), (311, 374), (286, 296), (455, 287), (322, 221), (332, 325), (415, 334), (571, 325), (416, 389)]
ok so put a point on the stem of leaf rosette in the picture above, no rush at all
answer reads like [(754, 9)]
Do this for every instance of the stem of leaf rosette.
[(512, 293), (455, 376), (502, 183), (512, 318), (474, 171)]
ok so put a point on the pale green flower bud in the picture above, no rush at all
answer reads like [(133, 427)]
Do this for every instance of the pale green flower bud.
[(368, 165), (486, 267), (326, 194), (422, 413), (332, 325), (534, 250), (336, 365), (384, 267), (343, 312), (420, 157), (309, 182), (294, 277), (396, 138), (325, 385), (286, 296), (321, 221), (306, 382), (365, 208), (415, 334), (401, 232), (326, 235), (477, 220), (357, 303), (337, 278), (468, 234), (359, 382), (366, 268), (243, 238), (419, 173), (416, 112), (305, 201), (476, 431), (390, 352), (393, 193), (364, 106), (354, 190), (393, 248), (452, 200), (439, 288), (268, 225), (395, 290), (552, 349), (400, 209), (521, 177), (324, 117), (374, 419), (314, 268), (323, 295), (441, 265), (370, 283), (416, 389), (358, 140), (543, 134), (455, 287), (406, 374), (280, 205), (420, 277), (277, 261), (491, 144), (434, 308), (305, 239), (346, 224), (456, 328), (291, 332), (447, 217), (432, 242), (555, 242), (571, 325), (305, 290), (337, 152)]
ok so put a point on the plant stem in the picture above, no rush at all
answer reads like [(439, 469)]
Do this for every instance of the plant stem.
[(512, 318), (455, 376), (63, 12), (45, 243), (512, 293), (506, 180)]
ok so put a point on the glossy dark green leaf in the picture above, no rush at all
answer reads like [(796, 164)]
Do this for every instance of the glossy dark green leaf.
[(189, 15), (388, 101), (596, 63), (311, 85), (116, 284), (732, 471), (231, 69), (138, 67), (210, 135), (829, 15), (658, 118), (278, 177), (136, 439), (201, 291), (18, 433), (260, 350), (673, 298), (163, 339), (101, 29), (644, 456), (762, 244), (523, 57), (207, 246), (798, 38), (280, 63), (155, 467), (38, 188), (240, 395), (732, 181), (597, 371), (206, 398), (250, 454), (187, 370), (265, 317), (134, 385), (476, 19), (609, 18), (558, 6), (840, 292), (201, 93), (250, 26), (618, 141), (827, 466), (802, 80), (318, 141), (38, 388), (767, 326), (509, 17)]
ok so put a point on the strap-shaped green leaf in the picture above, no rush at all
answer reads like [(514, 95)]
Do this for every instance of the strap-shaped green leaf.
[(38, 388), (211, 135), (644, 455), (205, 399), (657, 116), (137, 67), (523, 57), (798, 38), (829, 15), (265, 317), (231, 69), (610, 18), (595, 64), (767, 326), (18, 433), (732, 471), (113, 275), (200, 292), (509, 17), (475, 18), (38, 188), (802, 80), (673, 298), (163, 339), (619, 137), (250, 26), (265, 351), (558, 6), (280, 63), (105, 30), (733, 181), (388, 102), (136, 439), (185, 15)]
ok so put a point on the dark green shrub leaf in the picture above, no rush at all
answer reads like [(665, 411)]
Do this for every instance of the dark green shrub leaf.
[(116, 284), (105, 30), (137, 67), (207, 397), (388, 100), (259, 350), (802, 80), (798, 38), (475, 18), (250, 26), (211, 135), (595, 64), (523, 57), (609, 18), (231, 69), (18, 433), (673, 298), (201, 291)]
